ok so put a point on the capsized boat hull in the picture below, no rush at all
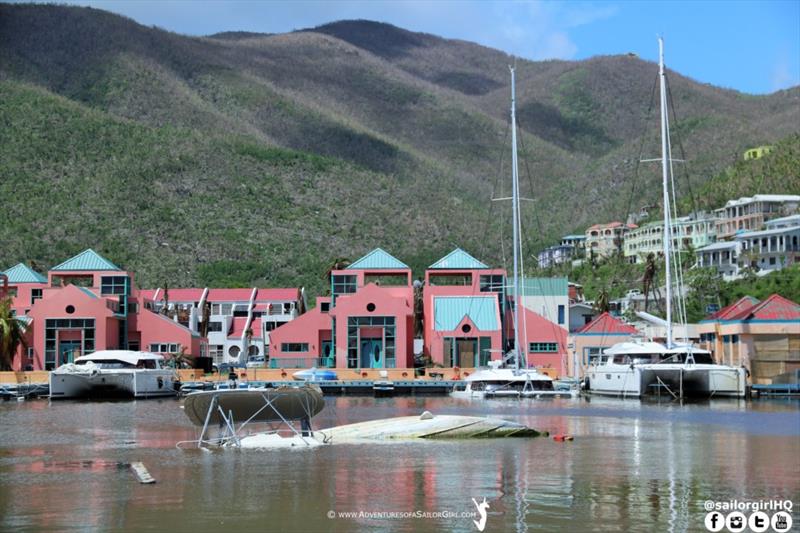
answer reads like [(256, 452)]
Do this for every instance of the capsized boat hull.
[(434, 427), (289, 403)]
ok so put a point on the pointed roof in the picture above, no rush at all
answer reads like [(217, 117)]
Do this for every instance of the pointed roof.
[(86, 260), (22, 273), (377, 259), (606, 324), (776, 307), (458, 259), (734, 309)]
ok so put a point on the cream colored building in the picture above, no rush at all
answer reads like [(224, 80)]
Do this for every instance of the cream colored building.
[(764, 337), (604, 240), (750, 213), (687, 232)]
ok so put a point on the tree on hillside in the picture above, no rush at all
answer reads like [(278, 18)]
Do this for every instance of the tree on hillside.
[(337, 264), (12, 334)]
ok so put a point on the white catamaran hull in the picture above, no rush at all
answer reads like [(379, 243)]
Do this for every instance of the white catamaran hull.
[(690, 380), (121, 383)]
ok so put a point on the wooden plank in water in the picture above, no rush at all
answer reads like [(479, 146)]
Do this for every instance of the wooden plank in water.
[(142, 473)]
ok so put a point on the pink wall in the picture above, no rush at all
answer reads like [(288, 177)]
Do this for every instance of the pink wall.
[(434, 340), (53, 305), (311, 328), (537, 329), (22, 301), (394, 302), (435, 343), (155, 328)]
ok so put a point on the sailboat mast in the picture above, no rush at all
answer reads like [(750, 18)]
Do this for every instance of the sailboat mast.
[(667, 234), (515, 218)]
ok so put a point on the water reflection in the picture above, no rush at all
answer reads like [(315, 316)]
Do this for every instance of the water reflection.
[(632, 466)]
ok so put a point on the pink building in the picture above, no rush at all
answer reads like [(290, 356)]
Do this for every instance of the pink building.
[(239, 321), (544, 342), (463, 310), (590, 341), (85, 304), (306, 341), (371, 312)]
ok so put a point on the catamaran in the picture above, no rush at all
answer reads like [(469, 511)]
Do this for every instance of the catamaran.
[(516, 382), (639, 368), (118, 373)]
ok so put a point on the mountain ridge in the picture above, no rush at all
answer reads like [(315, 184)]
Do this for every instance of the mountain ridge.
[(427, 122)]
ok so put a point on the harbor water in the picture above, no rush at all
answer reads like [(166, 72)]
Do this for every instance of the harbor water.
[(632, 466)]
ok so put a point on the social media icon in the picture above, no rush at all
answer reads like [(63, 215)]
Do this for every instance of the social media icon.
[(781, 521), (715, 521), (736, 522), (758, 522)]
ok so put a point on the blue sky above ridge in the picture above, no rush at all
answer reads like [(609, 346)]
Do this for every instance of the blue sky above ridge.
[(752, 47)]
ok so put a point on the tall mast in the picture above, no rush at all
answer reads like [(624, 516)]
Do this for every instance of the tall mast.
[(515, 218), (667, 234)]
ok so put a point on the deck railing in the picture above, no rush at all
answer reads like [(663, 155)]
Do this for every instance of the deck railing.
[(302, 362)]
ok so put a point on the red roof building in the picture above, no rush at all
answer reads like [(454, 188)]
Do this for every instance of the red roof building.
[(764, 337), (590, 341)]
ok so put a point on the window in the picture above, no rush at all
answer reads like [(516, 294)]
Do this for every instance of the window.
[(390, 280), (240, 310), (214, 326), (342, 284), (442, 280), (560, 314), (324, 307), (165, 347), (233, 351), (133, 346), (215, 350), (550, 347), (30, 352), (297, 347), (114, 285), (592, 355), (491, 283), (36, 294), (221, 309), (133, 308), (269, 326)]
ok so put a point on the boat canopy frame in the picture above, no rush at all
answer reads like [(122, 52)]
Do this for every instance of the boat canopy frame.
[(231, 435)]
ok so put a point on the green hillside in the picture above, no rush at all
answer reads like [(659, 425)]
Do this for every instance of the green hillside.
[(244, 158)]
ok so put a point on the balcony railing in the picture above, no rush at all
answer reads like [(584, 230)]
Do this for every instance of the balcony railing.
[(302, 362)]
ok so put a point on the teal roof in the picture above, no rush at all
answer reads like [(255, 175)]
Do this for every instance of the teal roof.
[(574, 237), (88, 292), (87, 260), (23, 274), (544, 287), (449, 311), (377, 259), (458, 259)]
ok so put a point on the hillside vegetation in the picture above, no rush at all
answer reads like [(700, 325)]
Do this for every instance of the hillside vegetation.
[(244, 158)]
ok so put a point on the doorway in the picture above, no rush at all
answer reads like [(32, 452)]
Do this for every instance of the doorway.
[(67, 351), (372, 353)]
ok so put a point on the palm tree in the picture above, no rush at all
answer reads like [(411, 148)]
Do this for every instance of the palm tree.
[(339, 263), (181, 359), (12, 334), (603, 302)]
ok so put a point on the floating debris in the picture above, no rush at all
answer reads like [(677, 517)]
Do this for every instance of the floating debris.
[(429, 426), (142, 473)]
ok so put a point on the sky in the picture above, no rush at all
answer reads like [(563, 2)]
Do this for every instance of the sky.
[(753, 47)]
